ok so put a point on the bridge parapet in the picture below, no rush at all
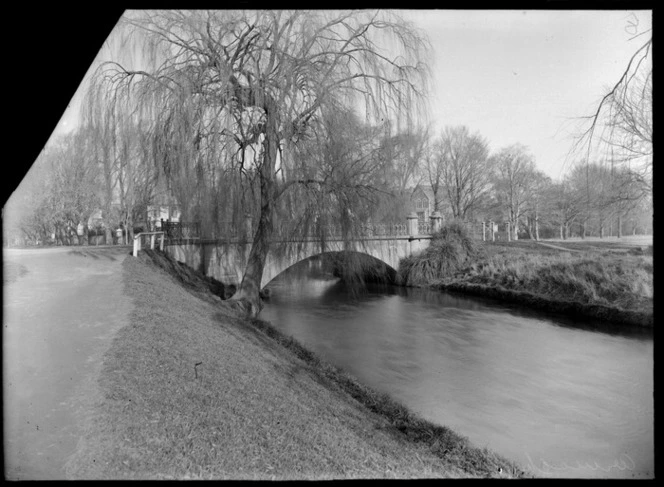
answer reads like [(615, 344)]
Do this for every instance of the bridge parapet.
[(366, 230)]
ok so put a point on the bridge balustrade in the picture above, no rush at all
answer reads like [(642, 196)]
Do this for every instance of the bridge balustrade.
[(367, 230), (423, 228), (181, 230), (192, 230)]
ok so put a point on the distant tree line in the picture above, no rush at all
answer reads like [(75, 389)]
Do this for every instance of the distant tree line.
[(598, 198), (78, 176)]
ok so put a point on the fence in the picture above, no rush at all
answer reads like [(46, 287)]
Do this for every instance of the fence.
[(477, 230), (488, 231)]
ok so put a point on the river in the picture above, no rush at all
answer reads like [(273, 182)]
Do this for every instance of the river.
[(562, 398)]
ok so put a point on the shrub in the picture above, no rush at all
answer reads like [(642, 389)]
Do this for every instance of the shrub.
[(451, 249)]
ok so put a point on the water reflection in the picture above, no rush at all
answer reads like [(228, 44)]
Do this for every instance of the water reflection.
[(546, 392)]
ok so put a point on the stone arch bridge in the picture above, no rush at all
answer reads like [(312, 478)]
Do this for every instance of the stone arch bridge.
[(225, 261)]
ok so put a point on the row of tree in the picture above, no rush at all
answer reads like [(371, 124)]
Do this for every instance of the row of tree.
[(77, 177), (470, 183)]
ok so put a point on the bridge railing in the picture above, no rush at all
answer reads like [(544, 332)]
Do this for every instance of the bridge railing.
[(424, 228), (414, 227), (366, 230), (181, 230), (385, 229)]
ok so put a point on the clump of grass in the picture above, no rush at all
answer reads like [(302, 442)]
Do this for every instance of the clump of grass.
[(590, 278), (601, 281), (586, 280), (451, 249)]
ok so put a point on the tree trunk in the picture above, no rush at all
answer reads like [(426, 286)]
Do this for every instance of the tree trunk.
[(515, 230), (247, 296), (619, 226), (129, 230), (529, 228)]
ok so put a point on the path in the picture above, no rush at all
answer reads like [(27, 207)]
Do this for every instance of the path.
[(558, 247), (61, 308), (612, 244)]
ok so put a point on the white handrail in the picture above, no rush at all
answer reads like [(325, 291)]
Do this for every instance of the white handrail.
[(137, 241)]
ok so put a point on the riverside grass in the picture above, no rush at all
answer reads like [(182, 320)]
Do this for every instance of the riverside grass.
[(576, 278), (190, 390)]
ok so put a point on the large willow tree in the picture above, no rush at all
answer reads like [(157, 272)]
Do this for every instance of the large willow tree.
[(231, 94)]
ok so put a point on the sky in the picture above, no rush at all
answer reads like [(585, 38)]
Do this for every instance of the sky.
[(518, 76), (526, 76)]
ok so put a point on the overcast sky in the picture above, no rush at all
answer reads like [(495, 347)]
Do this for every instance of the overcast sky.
[(521, 76)]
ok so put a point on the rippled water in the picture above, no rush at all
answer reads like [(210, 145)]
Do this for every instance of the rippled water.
[(560, 398)]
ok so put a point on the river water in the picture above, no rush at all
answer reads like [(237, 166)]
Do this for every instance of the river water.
[(561, 398)]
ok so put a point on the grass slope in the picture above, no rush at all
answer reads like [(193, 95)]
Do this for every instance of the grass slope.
[(191, 390)]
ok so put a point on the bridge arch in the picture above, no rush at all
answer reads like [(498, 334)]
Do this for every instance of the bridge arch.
[(364, 264)]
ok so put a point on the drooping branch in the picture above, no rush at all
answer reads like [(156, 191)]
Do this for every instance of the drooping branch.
[(624, 115)]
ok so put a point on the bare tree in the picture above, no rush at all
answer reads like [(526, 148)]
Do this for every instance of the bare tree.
[(536, 203), (465, 169), (254, 83), (123, 155), (565, 206), (515, 169), (433, 159), (403, 154), (621, 125), (26, 216), (603, 193), (59, 193)]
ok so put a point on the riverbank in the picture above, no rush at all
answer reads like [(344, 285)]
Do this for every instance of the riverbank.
[(596, 280), (192, 390)]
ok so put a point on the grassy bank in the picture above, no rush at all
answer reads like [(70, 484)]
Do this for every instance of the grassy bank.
[(576, 279), (191, 390)]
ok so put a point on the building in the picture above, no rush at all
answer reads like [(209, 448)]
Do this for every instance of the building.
[(422, 202)]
